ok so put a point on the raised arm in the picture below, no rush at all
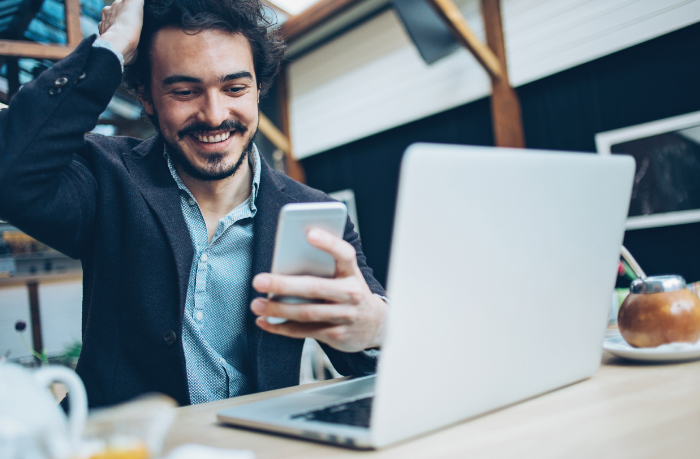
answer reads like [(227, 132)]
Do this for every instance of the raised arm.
[(47, 184)]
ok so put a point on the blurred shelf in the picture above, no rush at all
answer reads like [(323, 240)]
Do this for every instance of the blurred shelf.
[(31, 259), (34, 255), (44, 278)]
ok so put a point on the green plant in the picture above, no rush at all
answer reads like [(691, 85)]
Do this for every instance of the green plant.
[(70, 354), (20, 326)]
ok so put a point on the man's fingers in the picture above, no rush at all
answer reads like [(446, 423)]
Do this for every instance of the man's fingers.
[(342, 251), (291, 329), (333, 290), (104, 23), (305, 313), (317, 331)]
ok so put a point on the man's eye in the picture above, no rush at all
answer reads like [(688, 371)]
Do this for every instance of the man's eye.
[(183, 93), (236, 89)]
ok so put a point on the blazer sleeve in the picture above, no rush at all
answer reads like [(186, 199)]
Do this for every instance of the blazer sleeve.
[(47, 188), (364, 362)]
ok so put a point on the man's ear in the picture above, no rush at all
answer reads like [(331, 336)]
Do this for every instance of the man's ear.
[(146, 100)]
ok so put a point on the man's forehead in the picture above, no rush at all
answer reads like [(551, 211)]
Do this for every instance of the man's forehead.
[(211, 53)]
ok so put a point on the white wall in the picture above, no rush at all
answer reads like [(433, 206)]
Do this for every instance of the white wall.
[(60, 310), (14, 306), (371, 78), (61, 307)]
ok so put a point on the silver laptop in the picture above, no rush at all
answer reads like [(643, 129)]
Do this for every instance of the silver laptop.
[(500, 278)]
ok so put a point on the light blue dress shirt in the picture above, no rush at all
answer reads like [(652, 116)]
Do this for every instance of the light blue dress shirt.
[(214, 329)]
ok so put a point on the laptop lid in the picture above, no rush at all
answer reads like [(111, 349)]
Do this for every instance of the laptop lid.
[(502, 266)]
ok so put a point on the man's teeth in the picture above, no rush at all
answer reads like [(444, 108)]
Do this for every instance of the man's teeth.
[(213, 138)]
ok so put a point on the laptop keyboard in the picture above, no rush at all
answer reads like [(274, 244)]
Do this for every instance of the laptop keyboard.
[(354, 413)]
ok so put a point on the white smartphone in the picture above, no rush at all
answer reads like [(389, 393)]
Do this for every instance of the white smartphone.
[(293, 254)]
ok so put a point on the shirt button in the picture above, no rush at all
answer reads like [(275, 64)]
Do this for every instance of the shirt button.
[(204, 257), (62, 81), (191, 202), (81, 76), (53, 91), (199, 315)]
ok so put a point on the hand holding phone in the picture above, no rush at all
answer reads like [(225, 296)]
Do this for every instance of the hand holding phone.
[(350, 318), (294, 255)]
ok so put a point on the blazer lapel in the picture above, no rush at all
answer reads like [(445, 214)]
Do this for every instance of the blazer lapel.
[(276, 357), (150, 172)]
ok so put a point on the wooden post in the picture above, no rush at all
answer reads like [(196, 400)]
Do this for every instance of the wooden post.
[(35, 316), (294, 169), (505, 107), (315, 15), (12, 77), (74, 34)]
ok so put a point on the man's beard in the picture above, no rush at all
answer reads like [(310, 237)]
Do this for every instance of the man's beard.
[(215, 169)]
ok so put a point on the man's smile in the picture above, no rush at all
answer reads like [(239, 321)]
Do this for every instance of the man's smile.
[(212, 138)]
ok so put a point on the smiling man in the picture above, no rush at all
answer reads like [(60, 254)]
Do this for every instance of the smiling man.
[(176, 233)]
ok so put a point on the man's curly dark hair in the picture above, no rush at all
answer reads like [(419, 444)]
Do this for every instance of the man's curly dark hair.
[(247, 17)]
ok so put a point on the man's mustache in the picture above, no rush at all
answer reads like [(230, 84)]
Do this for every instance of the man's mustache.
[(203, 128)]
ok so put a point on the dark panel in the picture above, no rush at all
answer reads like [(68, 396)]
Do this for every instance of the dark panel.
[(371, 167), (667, 250), (427, 31), (653, 80)]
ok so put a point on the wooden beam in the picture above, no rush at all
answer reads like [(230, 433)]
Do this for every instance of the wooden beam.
[(23, 22), (313, 16), (74, 34), (505, 107), (455, 21), (35, 50), (274, 135), (280, 140), (294, 168)]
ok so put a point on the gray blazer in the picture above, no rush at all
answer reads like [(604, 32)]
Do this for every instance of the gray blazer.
[(112, 203)]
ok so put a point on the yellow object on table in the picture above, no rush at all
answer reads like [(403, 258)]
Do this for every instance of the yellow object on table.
[(131, 430), (139, 452)]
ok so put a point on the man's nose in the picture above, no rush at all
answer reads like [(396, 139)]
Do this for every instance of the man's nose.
[(213, 110)]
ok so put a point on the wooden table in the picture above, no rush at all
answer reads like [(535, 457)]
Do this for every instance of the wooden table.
[(626, 410)]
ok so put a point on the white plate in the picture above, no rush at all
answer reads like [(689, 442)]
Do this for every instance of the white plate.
[(674, 352)]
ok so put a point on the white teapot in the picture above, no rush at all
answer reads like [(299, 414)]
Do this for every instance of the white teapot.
[(32, 424)]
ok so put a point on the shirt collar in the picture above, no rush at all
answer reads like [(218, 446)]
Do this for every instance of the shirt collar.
[(253, 161)]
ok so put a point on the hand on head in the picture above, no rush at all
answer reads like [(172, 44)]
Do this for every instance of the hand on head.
[(350, 320), (121, 26)]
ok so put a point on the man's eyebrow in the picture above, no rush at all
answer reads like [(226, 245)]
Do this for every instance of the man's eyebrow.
[(236, 76), (172, 79)]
